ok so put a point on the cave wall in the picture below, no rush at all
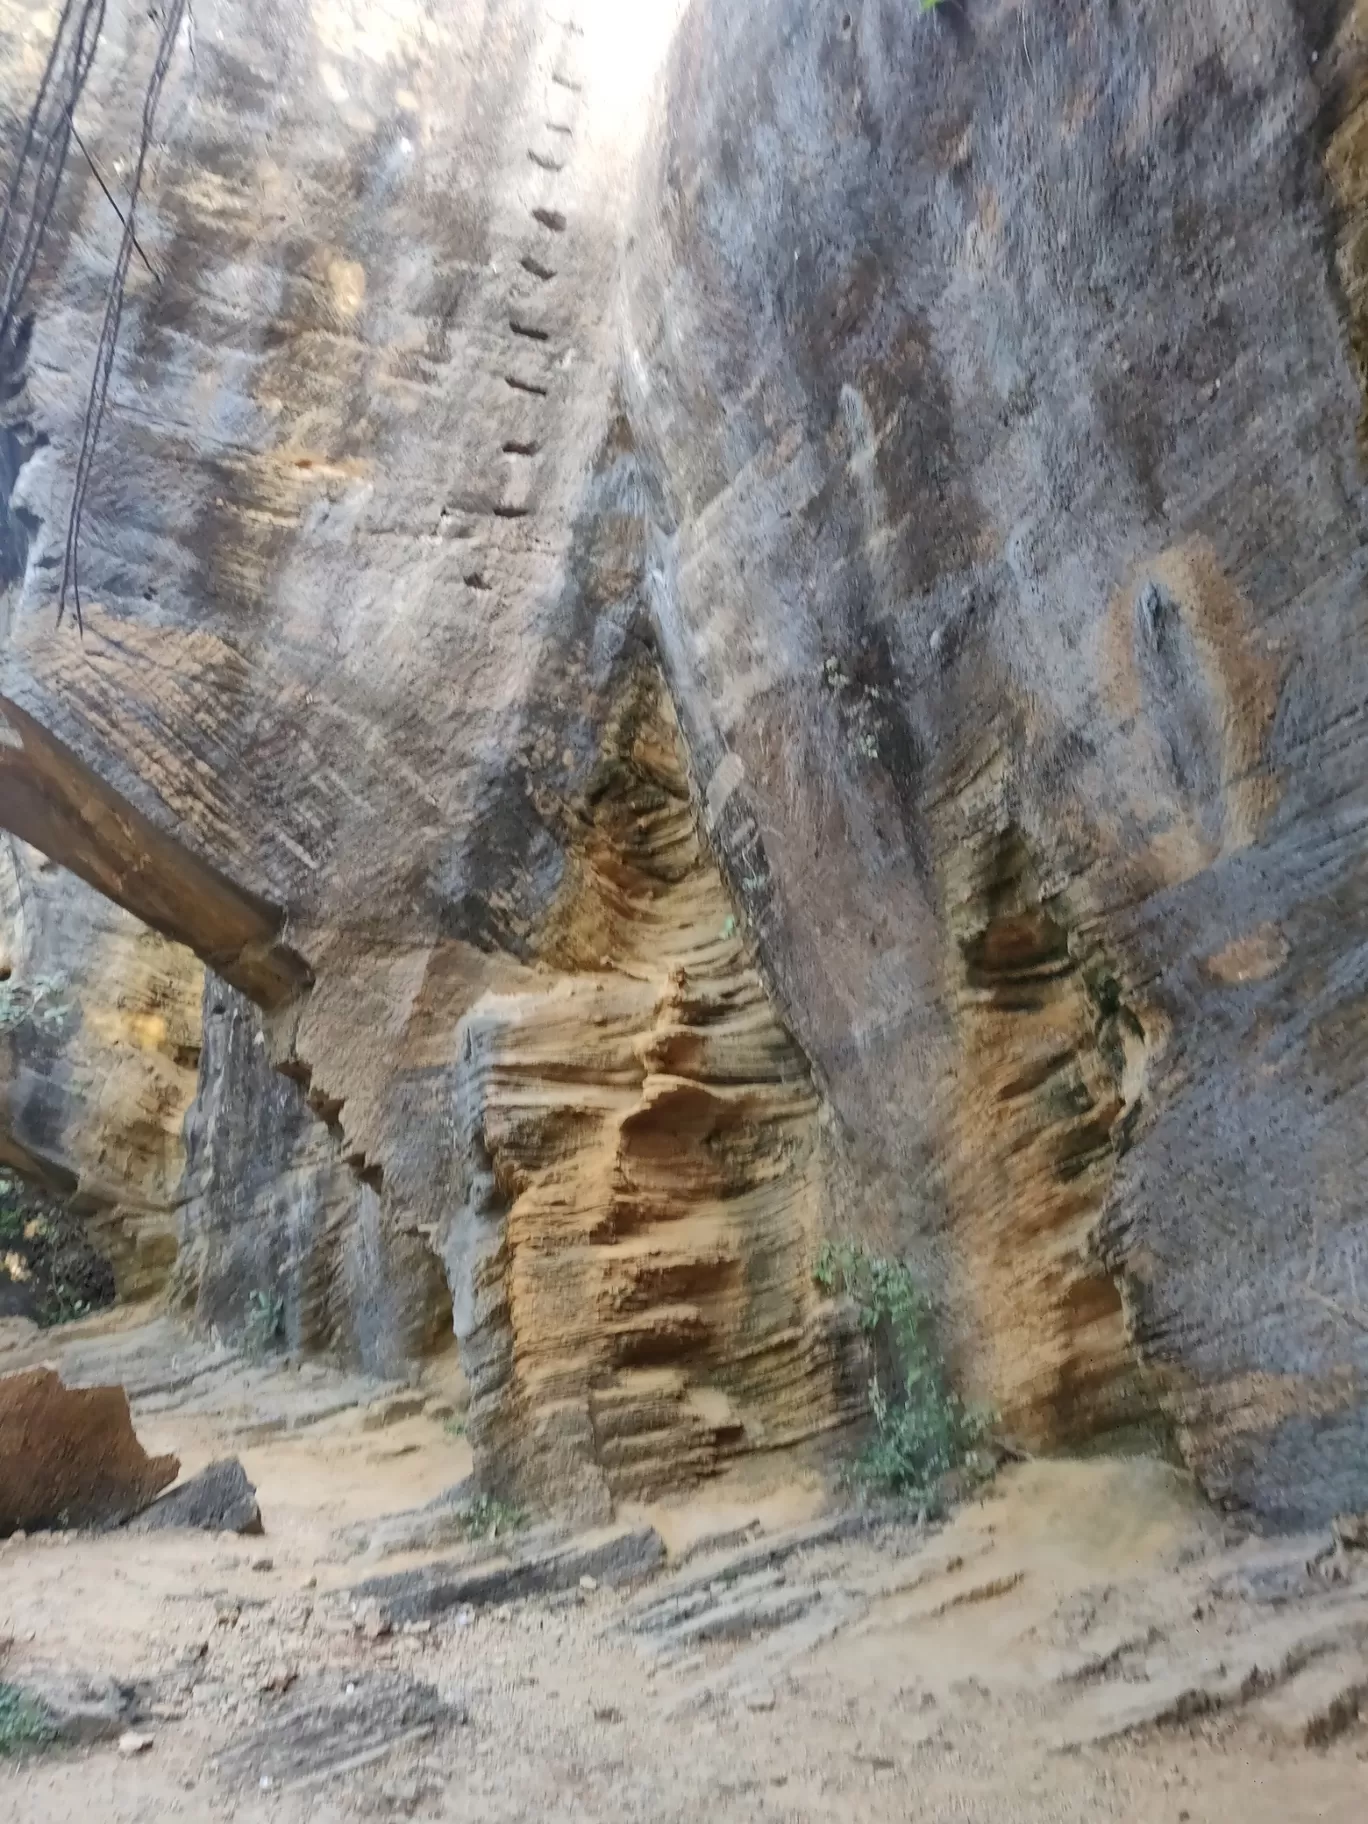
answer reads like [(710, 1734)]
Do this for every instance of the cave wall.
[(959, 411)]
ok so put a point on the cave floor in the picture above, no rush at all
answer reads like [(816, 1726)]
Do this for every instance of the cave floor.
[(1084, 1642)]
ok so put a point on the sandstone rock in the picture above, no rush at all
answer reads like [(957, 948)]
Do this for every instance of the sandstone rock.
[(69, 1456), (974, 443), (1258, 1661), (1050, 712), (279, 1224), (727, 1567), (98, 1060), (612, 1558), (698, 1150), (392, 1411), (745, 1612), (219, 1499)]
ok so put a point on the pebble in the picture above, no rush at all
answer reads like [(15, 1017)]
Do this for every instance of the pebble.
[(131, 1743)]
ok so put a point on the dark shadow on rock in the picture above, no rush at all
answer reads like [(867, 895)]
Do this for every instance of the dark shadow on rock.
[(218, 1500)]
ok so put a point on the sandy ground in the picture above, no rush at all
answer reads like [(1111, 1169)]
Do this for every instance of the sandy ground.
[(957, 1675)]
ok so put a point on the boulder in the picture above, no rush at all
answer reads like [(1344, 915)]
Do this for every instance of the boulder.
[(219, 1499), (69, 1455)]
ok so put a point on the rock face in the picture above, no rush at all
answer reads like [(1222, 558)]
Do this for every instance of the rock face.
[(634, 1253), (69, 1456), (827, 697), (281, 1240), (99, 1051), (1006, 426)]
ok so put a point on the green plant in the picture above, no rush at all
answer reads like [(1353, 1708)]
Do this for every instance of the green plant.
[(454, 1428), (45, 1251), (23, 1723), (65, 1306), (487, 1517), (12, 1217), (265, 1325), (922, 1431)]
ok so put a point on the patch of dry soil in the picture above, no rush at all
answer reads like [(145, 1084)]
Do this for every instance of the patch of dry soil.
[(1085, 1643)]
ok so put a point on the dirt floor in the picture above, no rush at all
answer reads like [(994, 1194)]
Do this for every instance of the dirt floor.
[(1085, 1642)]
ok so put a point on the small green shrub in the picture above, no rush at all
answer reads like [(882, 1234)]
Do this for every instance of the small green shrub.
[(66, 1306), (47, 1256), (922, 1431), (264, 1329), (12, 1216), (487, 1517), (23, 1723)]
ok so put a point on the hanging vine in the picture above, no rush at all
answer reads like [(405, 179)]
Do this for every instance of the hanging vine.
[(108, 340), (30, 199), (32, 190)]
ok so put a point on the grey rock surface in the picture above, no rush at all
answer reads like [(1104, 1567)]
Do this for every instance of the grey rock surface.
[(219, 1499), (616, 1557)]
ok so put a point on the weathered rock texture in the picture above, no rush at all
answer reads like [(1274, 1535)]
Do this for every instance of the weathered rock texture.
[(195, 1166), (69, 1456), (99, 1051), (999, 395), (281, 1240), (964, 419), (650, 1190), (219, 1499)]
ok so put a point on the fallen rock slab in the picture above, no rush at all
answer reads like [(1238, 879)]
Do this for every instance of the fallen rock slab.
[(744, 1614), (69, 1455), (393, 1411), (764, 1553), (330, 1729), (610, 1558), (218, 1500)]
